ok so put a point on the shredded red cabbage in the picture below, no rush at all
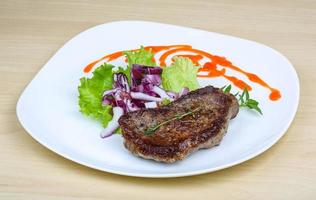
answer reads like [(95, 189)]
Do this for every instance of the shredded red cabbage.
[(145, 90)]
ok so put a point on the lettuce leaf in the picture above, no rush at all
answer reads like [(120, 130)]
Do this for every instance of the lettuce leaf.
[(182, 73), (141, 57), (90, 94)]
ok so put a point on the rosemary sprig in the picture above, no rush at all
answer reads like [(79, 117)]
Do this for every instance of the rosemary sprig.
[(153, 129), (244, 99)]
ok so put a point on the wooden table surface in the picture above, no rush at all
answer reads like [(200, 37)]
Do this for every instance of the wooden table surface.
[(30, 33)]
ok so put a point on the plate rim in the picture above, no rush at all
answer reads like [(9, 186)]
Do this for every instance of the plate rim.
[(52, 147)]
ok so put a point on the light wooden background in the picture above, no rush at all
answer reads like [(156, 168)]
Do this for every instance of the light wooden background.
[(30, 33)]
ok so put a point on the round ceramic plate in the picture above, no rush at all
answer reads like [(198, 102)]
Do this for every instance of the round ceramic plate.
[(48, 108)]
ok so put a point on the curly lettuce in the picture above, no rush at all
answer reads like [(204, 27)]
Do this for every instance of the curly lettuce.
[(182, 73), (90, 94), (141, 57)]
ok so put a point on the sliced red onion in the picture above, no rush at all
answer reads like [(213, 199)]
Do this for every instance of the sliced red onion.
[(117, 95), (120, 91), (173, 95), (113, 124), (184, 91), (151, 104), (151, 79), (144, 93), (162, 93), (145, 88), (108, 100), (131, 106), (154, 70), (121, 82), (138, 103), (110, 92), (143, 69), (140, 71), (144, 97), (122, 104)]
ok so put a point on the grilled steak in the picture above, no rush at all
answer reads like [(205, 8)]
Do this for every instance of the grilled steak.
[(196, 120)]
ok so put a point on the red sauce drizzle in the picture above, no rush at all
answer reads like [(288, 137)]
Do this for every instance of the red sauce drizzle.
[(210, 67)]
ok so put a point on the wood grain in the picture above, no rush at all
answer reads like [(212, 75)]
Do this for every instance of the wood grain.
[(30, 33)]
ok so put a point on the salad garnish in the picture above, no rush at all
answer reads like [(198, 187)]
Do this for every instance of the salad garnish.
[(113, 91)]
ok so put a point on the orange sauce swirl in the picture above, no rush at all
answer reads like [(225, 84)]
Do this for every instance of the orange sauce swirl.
[(210, 67)]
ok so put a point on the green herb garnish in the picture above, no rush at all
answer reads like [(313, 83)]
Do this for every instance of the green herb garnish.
[(153, 129), (244, 99), (226, 89)]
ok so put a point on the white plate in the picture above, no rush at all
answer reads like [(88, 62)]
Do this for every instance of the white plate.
[(48, 107)]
